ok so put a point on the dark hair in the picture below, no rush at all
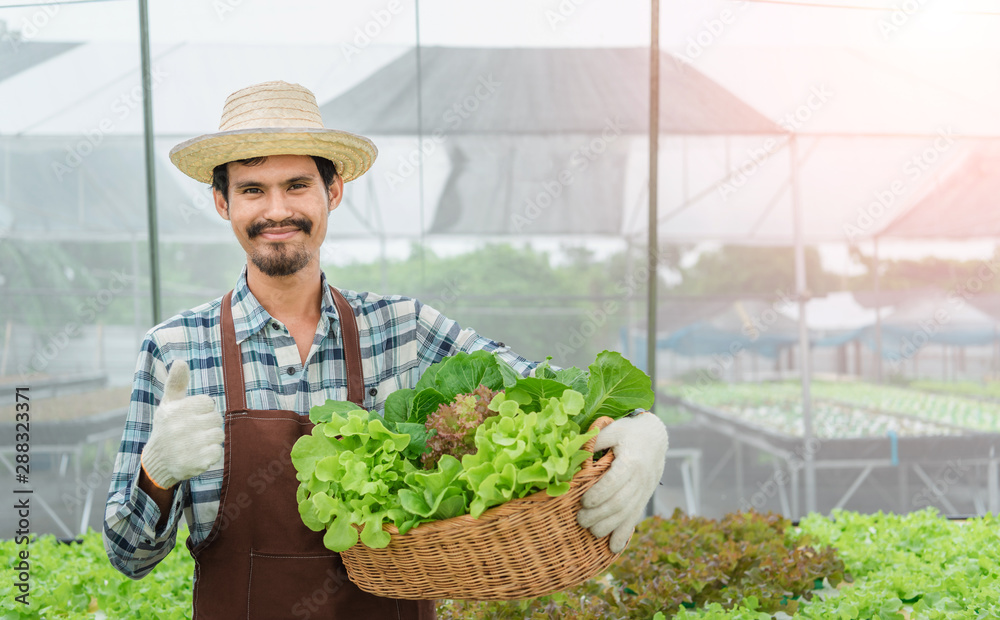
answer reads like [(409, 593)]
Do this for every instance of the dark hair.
[(220, 175)]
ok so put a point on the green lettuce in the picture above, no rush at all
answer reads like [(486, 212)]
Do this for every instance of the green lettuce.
[(350, 469), (614, 388), (359, 471), (519, 452)]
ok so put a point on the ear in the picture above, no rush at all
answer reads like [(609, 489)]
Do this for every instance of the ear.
[(336, 191), (220, 204)]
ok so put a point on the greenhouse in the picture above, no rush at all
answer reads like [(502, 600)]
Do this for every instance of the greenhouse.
[(566, 244)]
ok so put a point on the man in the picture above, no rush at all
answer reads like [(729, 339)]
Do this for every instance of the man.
[(222, 391)]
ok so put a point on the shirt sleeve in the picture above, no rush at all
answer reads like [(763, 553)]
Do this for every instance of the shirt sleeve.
[(131, 540), (439, 337)]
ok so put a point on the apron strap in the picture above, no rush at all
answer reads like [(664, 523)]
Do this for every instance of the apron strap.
[(232, 361), (352, 349)]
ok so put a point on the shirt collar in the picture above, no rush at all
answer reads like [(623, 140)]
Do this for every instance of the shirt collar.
[(249, 316)]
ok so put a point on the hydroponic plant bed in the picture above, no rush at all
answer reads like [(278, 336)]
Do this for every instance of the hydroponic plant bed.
[(830, 420), (939, 411), (981, 390), (744, 566), (770, 414)]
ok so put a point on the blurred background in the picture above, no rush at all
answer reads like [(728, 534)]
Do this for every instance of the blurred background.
[(823, 314)]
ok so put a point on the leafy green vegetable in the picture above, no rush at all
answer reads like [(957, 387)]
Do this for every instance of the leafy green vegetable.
[(572, 377), (942, 569), (398, 405), (919, 565), (425, 402), (614, 388), (464, 372), (744, 566), (359, 471), (323, 413), (433, 494), (418, 440), (509, 375), (354, 472), (350, 471), (76, 581), (519, 452), (531, 391), (461, 373)]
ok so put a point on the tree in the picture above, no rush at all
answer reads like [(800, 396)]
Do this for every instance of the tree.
[(927, 272), (753, 270)]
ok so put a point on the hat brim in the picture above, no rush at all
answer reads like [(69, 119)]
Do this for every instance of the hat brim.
[(352, 154)]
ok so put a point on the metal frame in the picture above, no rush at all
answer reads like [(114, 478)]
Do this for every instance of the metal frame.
[(690, 468), (743, 434), (68, 439), (68, 452)]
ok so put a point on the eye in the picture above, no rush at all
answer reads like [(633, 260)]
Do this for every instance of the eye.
[(250, 190), (297, 185)]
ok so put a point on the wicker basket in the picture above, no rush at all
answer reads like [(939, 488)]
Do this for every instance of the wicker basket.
[(524, 548)]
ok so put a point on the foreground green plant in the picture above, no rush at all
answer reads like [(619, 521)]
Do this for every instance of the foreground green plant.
[(77, 581), (918, 566), (748, 561), (919, 563)]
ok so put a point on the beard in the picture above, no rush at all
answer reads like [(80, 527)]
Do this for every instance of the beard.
[(279, 258)]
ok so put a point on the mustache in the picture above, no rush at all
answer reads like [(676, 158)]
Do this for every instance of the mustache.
[(257, 228)]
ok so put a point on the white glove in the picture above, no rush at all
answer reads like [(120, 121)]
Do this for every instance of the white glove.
[(187, 434), (617, 501)]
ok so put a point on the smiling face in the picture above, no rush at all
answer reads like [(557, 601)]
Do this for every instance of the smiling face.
[(279, 209)]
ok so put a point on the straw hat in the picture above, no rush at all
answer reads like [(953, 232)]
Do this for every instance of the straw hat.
[(273, 118)]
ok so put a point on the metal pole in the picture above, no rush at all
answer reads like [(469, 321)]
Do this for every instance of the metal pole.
[(147, 135), (653, 244), (878, 317), (420, 144), (804, 364), (653, 249)]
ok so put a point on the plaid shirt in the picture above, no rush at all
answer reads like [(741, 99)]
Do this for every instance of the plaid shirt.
[(400, 337)]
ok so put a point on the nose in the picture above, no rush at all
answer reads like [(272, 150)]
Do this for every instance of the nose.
[(277, 207)]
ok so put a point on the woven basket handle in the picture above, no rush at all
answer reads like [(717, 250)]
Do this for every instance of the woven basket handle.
[(599, 423)]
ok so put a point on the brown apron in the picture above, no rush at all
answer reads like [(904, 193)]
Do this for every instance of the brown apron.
[(260, 561)]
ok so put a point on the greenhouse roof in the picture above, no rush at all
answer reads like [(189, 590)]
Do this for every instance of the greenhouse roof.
[(749, 324), (99, 196), (987, 302), (947, 311), (960, 204), (835, 311), (540, 91), (499, 172), (17, 56)]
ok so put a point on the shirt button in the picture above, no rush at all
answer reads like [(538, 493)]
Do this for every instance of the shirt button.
[(501, 345), (274, 326), (373, 391), (291, 370)]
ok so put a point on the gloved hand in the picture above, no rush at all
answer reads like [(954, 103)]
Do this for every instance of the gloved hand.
[(617, 501), (187, 434)]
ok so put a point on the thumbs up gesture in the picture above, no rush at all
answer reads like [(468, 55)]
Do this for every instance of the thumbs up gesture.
[(187, 434)]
